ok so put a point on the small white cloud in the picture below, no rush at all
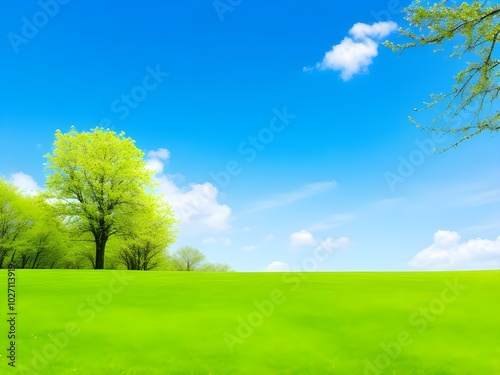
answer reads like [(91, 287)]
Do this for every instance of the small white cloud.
[(25, 183), (354, 55), (447, 252), (302, 238), (377, 30), (196, 205), (155, 160), (278, 266), (247, 229), (249, 248), (161, 153)]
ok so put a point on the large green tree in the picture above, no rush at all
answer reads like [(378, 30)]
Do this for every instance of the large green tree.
[(98, 182), (472, 31)]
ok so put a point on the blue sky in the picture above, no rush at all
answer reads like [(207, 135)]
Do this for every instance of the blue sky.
[(326, 172)]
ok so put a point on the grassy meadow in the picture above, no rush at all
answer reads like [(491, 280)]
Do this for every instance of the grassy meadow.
[(112, 322)]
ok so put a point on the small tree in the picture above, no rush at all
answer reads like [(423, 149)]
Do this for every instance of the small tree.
[(216, 267), (187, 259), (191, 259)]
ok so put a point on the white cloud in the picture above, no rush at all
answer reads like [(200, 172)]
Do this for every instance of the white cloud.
[(249, 248), (294, 196), (155, 160), (278, 266), (247, 229), (331, 243), (447, 252), (354, 55), (302, 238), (196, 205), (25, 183), (378, 30), (161, 153), (214, 241)]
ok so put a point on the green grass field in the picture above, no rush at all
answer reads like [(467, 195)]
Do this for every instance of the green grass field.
[(113, 322)]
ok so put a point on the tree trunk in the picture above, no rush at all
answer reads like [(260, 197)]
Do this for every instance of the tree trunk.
[(12, 257), (100, 246), (24, 260), (34, 261)]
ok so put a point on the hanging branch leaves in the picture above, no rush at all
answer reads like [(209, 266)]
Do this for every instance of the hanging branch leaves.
[(471, 106)]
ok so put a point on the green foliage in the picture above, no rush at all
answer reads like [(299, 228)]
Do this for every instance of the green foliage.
[(146, 250), (31, 236), (470, 107), (14, 222), (99, 192), (75, 259), (98, 182), (216, 267), (188, 258), (46, 237)]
